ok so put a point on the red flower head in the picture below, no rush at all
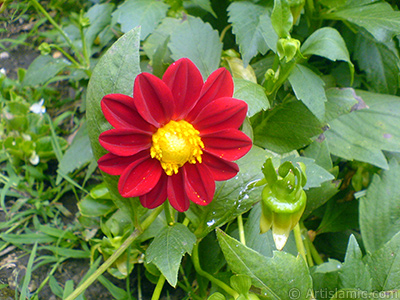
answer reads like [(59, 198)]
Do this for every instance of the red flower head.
[(175, 137)]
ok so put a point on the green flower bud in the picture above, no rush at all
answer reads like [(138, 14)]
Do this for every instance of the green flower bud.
[(270, 74), (283, 200), (44, 49), (287, 47), (83, 21)]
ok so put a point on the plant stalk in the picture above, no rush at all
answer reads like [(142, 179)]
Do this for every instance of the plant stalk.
[(201, 272), (241, 230), (39, 7), (299, 241), (159, 287), (108, 263)]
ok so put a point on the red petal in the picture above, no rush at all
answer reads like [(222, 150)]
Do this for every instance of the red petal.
[(120, 112), (139, 178), (221, 114), (157, 195), (185, 82), (199, 183), (221, 169), (229, 144), (125, 142), (219, 84), (153, 99), (176, 192), (115, 165)]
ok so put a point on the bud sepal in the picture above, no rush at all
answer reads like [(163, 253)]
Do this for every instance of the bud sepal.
[(283, 200)]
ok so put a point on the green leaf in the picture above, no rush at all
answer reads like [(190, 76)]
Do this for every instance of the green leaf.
[(252, 27), (100, 191), (354, 273), (333, 3), (379, 216), (316, 197), (384, 266), (116, 292), (78, 154), (276, 276), (114, 73), (73, 253), (281, 18), (160, 35), (253, 94), (319, 151), (378, 18), (241, 283), (167, 249), (287, 127), (204, 4), (197, 41), (309, 88), (210, 254), (56, 232), (340, 102), (379, 63), (42, 69), (29, 238), (325, 278), (232, 197), (216, 296), (144, 13), (339, 216), (353, 3), (28, 274), (90, 207), (55, 287), (327, 42), (363, 134), (100, 17)]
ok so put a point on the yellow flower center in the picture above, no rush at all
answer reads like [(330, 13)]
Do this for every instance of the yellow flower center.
[(176, 143)]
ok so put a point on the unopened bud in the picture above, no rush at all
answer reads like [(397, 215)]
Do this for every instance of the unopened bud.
[(287, 48)]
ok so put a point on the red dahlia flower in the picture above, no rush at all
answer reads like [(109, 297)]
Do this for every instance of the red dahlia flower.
[(175, 137)]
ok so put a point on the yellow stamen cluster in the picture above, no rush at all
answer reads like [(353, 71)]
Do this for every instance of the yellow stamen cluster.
[(176, 143)]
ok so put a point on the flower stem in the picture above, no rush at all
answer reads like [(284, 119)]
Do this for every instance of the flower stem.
[(40, 8), (300, 247), (70, 58), (299, 241), (186, 222), (139, 283), (159, 287), (146, 223), (201, 272), (150, 219), (221, 38), (168, 215), (308, 253), (241, 230), (84, 47), (315, 255), (104, 266)]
